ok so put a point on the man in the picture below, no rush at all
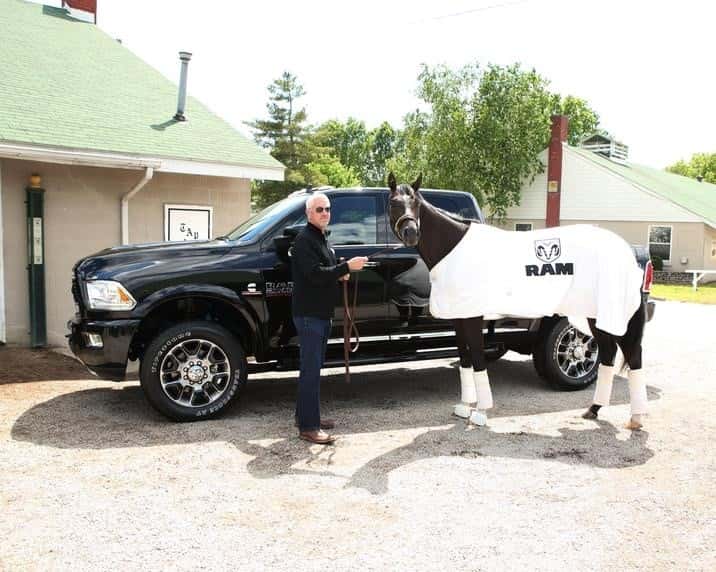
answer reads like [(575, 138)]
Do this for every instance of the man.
[(315, 294)]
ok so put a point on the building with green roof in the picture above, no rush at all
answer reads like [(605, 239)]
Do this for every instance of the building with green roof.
[(674, 216), (103, 131)]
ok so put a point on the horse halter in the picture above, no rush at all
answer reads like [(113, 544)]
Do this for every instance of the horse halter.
[(401, 220)]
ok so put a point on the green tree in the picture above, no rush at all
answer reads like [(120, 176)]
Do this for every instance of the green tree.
[(359, 150), (485, 131), (583, 120), (284, 133), (347, 142), (328, 170), (411, 154), (383, 143), (701, 165)]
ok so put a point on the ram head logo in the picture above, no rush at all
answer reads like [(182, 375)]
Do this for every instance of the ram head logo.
[(548, 250)]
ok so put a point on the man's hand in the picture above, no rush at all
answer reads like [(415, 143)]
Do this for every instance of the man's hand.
[(357, 263)]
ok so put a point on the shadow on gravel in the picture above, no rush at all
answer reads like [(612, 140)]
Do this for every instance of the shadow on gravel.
[(396, 399)]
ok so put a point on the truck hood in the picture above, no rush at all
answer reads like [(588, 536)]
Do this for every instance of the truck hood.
[(156, 258)]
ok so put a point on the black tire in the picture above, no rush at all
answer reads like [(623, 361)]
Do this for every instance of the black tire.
[(569, 358), (193, 371)]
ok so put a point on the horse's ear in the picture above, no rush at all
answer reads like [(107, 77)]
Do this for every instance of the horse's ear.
[(417, 183), (392, 185)]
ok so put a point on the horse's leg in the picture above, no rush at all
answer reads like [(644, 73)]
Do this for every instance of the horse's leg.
[(468, 396), (630, 345), (476, 347), (607, 345)]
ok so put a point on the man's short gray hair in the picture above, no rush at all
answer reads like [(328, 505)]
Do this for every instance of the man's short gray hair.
[(312, 199)]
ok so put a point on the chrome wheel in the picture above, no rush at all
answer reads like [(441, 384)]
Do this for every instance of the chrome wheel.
[(577, 354), (195, 373)]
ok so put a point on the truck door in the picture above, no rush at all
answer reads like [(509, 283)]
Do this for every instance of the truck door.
[(354, 232)]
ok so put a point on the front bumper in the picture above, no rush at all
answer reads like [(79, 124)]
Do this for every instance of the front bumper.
[(110, 360)]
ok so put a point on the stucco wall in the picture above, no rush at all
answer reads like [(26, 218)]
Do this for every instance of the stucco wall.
[(82, 216)]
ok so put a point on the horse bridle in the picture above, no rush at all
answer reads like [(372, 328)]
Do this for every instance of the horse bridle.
[(401, 220)]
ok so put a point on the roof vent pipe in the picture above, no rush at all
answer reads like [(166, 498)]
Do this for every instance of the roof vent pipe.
[(181, 103)]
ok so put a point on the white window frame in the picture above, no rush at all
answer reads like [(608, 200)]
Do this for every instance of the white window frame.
[(527, 230), (168, 207), (671, 240)]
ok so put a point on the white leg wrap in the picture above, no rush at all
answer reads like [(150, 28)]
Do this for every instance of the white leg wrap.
[(603, 390), (637, 392), (484, 393), (467, 393)]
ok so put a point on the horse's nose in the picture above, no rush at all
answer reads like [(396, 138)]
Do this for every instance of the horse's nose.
[(410, 235)]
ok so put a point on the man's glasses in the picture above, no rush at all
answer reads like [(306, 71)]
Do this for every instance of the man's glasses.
[(319, 210)]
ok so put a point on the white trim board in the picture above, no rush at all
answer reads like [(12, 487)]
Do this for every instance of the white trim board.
[(124, 161)]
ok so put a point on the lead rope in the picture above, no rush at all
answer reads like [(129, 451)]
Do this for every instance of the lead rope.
[(349, 326)]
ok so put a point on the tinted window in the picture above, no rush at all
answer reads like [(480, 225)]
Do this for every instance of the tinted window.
[(455, 204), (353, 220), (262, 221)]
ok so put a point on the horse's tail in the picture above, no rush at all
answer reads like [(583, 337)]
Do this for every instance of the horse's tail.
[(630, 342)]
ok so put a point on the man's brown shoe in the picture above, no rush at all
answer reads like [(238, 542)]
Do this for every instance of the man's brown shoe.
[(325, 423), (318, 437)]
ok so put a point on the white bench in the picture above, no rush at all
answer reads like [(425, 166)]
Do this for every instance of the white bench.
[(698, 275)]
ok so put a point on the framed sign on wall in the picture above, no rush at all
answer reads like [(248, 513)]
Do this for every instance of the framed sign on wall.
[(187, 222)]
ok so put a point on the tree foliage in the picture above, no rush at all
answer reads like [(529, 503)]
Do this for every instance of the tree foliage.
[(329, 170), (285, 133), (701, 165), (583, 120), (485, 130), (363, 151)]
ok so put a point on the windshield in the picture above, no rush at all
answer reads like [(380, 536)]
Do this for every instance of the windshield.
[(254, 227)]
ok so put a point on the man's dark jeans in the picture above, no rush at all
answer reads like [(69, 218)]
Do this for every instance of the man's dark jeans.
[(313, 337)]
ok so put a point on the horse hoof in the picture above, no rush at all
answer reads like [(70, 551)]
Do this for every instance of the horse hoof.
[(478, 418), (589, 414), (462, 411)]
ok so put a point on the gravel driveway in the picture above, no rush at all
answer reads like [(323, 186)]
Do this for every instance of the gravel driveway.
[(92, 478)]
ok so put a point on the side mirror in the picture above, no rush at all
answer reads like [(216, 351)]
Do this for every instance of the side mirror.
[(283, 243)]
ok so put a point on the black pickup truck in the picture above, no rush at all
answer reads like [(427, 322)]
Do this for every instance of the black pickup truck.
[(200, 316)]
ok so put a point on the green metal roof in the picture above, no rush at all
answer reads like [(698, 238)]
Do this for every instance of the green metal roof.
[(65, 83), (698, 198)]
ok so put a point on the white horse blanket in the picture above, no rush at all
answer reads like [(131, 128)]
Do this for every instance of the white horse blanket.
[(578, 271)]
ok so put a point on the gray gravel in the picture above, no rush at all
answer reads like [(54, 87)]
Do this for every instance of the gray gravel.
[(92, 478)]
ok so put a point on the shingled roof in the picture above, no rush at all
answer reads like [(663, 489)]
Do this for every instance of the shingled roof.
[(67, 86), (690, 194)]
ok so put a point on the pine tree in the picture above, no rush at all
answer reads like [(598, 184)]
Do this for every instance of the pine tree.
[(284, 133)]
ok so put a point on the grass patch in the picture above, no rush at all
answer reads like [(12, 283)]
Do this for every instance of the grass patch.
[(706, 294)]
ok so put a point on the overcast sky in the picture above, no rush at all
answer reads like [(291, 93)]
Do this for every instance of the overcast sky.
[(646, 66)]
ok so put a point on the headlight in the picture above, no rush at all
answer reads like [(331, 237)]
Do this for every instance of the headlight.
[(109, 295)]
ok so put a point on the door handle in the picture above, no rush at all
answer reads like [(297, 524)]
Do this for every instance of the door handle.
[(371, 265)]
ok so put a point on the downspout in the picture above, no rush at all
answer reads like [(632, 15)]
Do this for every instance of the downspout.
[(3, 330), (148, 174)]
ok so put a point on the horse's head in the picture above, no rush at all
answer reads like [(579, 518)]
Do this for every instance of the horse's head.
[(405, 210)]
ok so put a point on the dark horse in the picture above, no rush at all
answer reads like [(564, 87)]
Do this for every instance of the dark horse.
[(436, 234)]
